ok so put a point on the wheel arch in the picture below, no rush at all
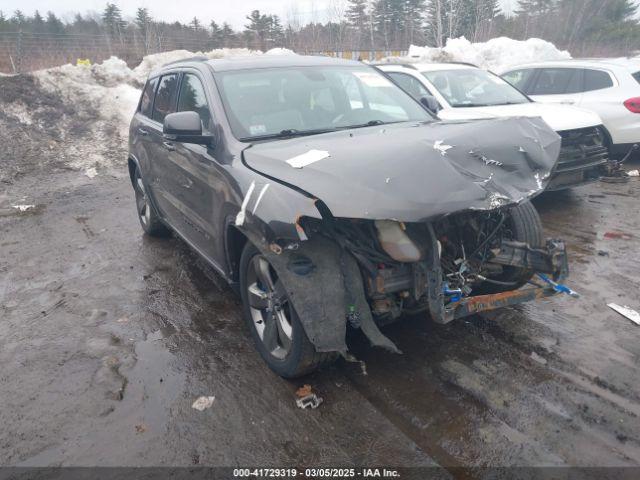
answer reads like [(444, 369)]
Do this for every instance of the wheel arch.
[(234, 243), (132, 165)]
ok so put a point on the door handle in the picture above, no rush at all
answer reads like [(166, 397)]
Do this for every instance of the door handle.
[(169, 146), (142, 131)]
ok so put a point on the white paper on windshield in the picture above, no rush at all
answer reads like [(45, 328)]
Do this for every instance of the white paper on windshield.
[(308, 158), (372, 79)]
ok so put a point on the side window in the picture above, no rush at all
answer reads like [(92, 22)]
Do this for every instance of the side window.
[(146, 102), (557, 81), (193, 99), (596, 80), (354, 94), (519, 79), (165, 102), (410, 84)]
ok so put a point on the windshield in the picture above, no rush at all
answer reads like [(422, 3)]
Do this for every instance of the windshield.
[(474, 88), (272, 102)]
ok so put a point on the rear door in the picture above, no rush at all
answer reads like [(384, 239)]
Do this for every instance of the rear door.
[(141, 140), (165, 102), (557, 85)]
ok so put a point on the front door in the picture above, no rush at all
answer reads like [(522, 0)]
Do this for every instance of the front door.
[(198, 188)]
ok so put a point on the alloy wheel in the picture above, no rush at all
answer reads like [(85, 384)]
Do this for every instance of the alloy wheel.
[(269, 306)]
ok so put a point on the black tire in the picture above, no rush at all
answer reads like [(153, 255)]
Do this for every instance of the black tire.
[(301, 357), (525, 226), (147, 215)]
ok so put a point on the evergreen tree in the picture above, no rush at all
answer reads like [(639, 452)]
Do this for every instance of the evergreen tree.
[(112, 20), (389, 21), (535, 7), (356, 15), (195, 24), (143, 19), (38, 22), (257, 30), (414, 21), (53, 24), (216, 34), (276, 32), (143, 22), (227, 35), (5, 25), (18, 18)]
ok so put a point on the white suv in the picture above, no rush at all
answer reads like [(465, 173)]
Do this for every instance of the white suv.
[(609, 87), (457, 91)]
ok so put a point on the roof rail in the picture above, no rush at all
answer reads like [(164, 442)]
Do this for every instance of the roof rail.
[(406, 65), (413, 66), (469, 64), (198, 58)]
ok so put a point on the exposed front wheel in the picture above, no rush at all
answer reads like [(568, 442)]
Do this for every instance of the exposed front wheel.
[(147, 215), (524, 225), (274, 324)]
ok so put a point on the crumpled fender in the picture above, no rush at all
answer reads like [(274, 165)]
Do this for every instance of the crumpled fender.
[(272, 211), (324, 291)]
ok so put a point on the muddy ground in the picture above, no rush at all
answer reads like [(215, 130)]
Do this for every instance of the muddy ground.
[(107, 337)]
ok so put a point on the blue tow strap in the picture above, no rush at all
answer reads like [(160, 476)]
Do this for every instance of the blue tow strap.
[(559, 287)]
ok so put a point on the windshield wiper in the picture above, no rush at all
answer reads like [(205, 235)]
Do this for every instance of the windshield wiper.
[(370, 123), (289, 133)]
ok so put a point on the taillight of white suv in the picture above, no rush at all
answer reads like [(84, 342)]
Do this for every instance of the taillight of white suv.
[(633, 104)]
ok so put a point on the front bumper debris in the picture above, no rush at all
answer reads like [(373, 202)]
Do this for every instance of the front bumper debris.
[(551, 260)]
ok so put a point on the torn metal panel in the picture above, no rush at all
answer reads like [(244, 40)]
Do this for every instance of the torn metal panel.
[(325, 292), (273, 211), (512, 161)]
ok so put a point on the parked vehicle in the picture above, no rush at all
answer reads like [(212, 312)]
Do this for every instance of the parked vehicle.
[(609, 87), (463, 91), (328, 196)]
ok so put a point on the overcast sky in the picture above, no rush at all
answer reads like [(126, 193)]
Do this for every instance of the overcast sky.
[(232, 11)]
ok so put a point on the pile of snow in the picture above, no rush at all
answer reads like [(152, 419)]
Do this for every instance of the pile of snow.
[(112, 90), (496, 54)]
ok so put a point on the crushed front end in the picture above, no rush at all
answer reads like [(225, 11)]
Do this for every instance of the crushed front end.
[(453, 267)]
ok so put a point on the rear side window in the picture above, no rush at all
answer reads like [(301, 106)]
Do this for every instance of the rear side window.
[(636, 76), (410, 85), (165, 102), (193, 99), (557, 81), (519, 79), (146, 102), (596, 80)]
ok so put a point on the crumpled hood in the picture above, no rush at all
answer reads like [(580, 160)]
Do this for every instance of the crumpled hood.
[(558, 117), (411, 172)]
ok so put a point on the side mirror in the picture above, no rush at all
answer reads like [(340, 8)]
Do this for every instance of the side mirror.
[(185, 127), (431, 103)]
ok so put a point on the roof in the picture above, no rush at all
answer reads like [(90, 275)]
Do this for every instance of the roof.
[(630, 63), (244, 62)]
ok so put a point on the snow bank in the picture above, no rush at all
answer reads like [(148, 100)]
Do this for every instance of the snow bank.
[(496, 54), (109, 92), (156, 60)]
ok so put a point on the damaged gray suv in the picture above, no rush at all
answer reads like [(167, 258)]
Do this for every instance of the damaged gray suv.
[(329, 197)]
